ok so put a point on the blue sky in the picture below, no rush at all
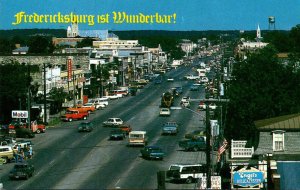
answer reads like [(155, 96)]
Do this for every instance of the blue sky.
[(190, 14)]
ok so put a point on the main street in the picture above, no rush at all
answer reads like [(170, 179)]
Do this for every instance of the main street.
[(66, 159)]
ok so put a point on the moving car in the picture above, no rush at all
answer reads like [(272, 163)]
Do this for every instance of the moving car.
[(125, 128), (117, 134), (85, 127), (152, 152), (113, 122), (21, 170), (170, 128), (165, 112)]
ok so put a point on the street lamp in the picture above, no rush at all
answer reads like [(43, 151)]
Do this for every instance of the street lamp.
[(45, 100)]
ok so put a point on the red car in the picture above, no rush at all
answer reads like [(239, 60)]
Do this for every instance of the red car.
[(126, 128)]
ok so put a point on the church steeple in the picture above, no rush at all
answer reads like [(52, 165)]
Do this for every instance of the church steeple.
[(258, 34)]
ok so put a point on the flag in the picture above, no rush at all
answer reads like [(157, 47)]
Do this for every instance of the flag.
[(222, 149)]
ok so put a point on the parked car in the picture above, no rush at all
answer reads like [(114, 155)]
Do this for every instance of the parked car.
[(194, 88), (71, 115), (6, 153), (152, 152), (170, 79), (212, 106), (195, 134), (117, 134), (85, 127), (165, 112), (170, 128), (193, 144), (202, 106), (185, 172), (21, 170), (113, 122), (90, 106)]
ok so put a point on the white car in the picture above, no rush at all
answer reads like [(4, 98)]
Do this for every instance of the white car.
[(165, 112), (212, 106), (112, 97), (184, 99), (90, 104), (113, 122), (170, 79)]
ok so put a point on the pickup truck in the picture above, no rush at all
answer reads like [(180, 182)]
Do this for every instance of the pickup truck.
[(71, 115), (193, 144), (83, 109), (35, 127)]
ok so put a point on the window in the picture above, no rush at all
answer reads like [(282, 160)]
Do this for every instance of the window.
[(278, 140)]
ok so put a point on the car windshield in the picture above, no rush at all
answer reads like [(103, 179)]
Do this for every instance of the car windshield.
[(85, 124), (174, 168)]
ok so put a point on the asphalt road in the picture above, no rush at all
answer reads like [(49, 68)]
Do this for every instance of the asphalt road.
[(66, 159)]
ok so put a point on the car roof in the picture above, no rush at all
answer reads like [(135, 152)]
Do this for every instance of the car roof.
[(138, 132)]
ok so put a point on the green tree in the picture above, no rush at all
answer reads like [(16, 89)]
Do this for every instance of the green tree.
[(5, 46), (40, 44), (262, 88), (57, 97), (86, 42)]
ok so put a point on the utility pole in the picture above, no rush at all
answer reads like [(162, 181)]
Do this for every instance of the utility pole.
[(29, 95), (208, 148), (74, 98), (45, 100), (208, 135)]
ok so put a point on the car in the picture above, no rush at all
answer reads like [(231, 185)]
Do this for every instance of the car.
[(165, 112), (126, 128), (113, 122), (158, 81), (170, 79), (21, 170), (85, 127), (23, 143), (194, 88), (185, 172), (195, 134), (152, 152), (92, 105), (186, 98), (170, 128), (194, 144), (185, 104), (117, 134), (212, 106), (202, 106), (6, 153), (204, 80)]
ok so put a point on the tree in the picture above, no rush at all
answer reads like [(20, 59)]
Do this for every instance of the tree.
[(14, 84), (5, 46), (57, 97), (86, 42), (262, 88), (40, 44)]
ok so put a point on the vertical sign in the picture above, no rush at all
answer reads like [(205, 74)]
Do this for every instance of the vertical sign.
[(69, 66)]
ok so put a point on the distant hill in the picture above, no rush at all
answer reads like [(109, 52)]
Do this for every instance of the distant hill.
[(26, 33)]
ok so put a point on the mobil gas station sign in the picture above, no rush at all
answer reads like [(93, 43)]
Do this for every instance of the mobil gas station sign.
[(19, 114), (248, 178)]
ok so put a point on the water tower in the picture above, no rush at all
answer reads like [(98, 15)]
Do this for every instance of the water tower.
[(271, 23)]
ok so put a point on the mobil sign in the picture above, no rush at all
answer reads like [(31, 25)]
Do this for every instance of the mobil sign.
[(248, 178), (19, 114)]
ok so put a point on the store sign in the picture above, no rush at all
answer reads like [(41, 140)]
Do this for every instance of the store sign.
[(248, 179), (19, 114), (69, 67)]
